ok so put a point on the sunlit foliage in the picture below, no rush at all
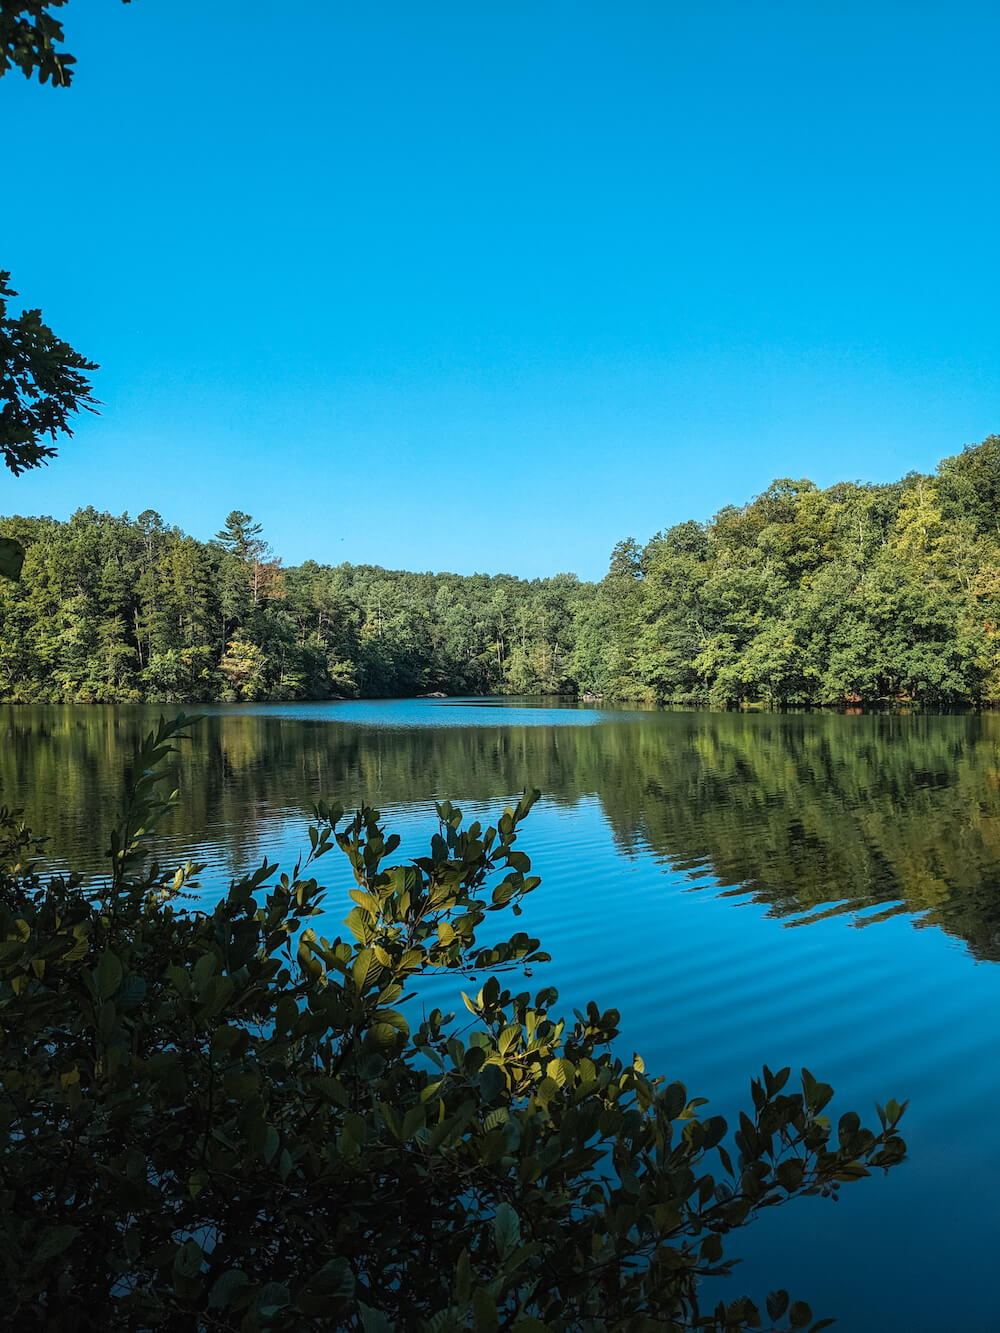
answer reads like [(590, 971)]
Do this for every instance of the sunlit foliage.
[(855, 594)]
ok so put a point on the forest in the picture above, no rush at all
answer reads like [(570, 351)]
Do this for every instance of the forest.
[(857, 594)]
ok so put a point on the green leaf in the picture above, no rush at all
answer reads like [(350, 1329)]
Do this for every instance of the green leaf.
[(204, 969), (328, 1290), (507, 1037), (364, 967), (492, 1082), (711, 1248), (109, 974), (506, 1230), (133, 992), (366, 902), (225, 1287), (359, 924), (674, 1099), (463, 1278), (54, 1242), (816, 1094), (79, 950), (188, 1259), (484, 1311), (894, 1111), (271, 1142), (777, 1304), (272, 1297), (852, 1171), (800, 1315), (393, 1019), (556, 1071), (372, 1321)]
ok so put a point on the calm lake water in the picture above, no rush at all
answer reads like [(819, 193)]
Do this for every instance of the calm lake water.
[(745, 888)]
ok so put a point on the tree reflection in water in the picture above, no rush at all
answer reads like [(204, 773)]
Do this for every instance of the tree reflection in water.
[(812, 814)]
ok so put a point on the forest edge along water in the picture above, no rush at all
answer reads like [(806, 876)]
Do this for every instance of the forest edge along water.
[(850, 594)]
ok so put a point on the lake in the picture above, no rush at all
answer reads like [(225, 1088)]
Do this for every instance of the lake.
[(746, 888)]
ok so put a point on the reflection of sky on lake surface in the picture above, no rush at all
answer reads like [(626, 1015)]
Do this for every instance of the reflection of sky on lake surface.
[(403, 714), (794, 890)]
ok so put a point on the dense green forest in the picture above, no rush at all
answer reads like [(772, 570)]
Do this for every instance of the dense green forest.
[(853, 594), (111, 609)]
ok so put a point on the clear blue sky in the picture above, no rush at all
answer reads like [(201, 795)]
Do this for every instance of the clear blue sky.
[(490, 286)]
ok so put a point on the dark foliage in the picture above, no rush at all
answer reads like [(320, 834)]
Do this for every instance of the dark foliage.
[(30, 40), (42, 385), (214, 1119)]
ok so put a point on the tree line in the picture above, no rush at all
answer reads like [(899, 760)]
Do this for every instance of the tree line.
[(112, 609), (851, 595)]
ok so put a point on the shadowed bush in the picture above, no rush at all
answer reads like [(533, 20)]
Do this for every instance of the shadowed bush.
[(217, 1120)]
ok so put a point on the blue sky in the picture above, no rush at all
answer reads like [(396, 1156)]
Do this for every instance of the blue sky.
[(490, 286)]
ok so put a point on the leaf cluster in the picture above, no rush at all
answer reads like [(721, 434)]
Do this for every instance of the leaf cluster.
[(30, 38), (42, 384)]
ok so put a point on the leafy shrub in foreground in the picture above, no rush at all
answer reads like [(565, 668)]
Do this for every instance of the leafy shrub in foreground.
[(217, 1120)]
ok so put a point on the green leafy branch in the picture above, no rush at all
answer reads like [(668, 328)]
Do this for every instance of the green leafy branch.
[(221, 1119)]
